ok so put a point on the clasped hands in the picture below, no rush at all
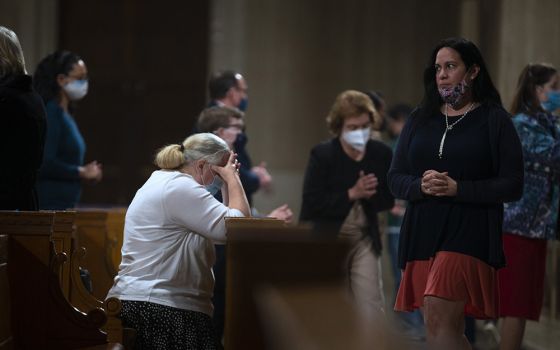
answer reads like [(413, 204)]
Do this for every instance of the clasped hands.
[(365, 187), (438, 184), (91, 172)]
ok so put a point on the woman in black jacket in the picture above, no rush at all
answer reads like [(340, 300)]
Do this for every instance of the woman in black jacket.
[(345, 187), (457, 161), (22, 128)]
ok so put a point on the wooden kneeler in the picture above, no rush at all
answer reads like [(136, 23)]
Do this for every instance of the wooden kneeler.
[(264, 253), (40, 315)]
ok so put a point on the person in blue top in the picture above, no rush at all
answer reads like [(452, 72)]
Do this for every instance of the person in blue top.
[(531, 221), (60, 79)]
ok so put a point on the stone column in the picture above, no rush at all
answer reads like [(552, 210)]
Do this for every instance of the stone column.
[(529, 32), (36, 25)]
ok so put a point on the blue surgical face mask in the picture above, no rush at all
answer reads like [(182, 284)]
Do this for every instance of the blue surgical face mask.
[(553, 102), (243, 104), (215, 186)]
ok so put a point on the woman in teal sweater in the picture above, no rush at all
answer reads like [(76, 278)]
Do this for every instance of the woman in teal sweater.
[(61, 78)]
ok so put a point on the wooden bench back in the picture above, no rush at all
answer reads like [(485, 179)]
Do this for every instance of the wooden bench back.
[(262, 253), (100, 232), (6, 340), (33, 277)]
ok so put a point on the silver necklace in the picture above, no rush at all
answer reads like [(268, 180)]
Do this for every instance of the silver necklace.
[(448, 127)]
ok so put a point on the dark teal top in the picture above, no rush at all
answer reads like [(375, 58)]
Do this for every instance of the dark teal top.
[(59, 184)]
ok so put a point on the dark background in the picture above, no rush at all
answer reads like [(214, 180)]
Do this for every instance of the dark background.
[(147, 86)]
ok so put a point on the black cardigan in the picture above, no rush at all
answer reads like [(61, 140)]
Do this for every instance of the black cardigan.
[(329, 175), (22, 139), (505, 185)]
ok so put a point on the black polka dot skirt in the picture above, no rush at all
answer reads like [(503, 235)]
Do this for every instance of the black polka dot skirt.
[(163, 327)]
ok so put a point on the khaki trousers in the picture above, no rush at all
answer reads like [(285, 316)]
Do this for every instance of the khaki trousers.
[(364, 267), (366, 285)]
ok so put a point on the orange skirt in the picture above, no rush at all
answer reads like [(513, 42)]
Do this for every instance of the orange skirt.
[(452, 276)]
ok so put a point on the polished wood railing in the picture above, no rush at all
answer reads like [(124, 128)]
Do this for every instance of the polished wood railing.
[(36, 283)]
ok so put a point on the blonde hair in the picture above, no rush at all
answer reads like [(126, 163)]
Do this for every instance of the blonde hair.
[(205, 146), (351, 103), (11, 54)]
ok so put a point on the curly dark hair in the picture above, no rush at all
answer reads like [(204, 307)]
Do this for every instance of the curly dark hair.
[(44, 78)]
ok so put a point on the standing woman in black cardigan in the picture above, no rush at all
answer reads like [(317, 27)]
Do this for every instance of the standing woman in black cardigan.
[(22, 128), (458, 160), (345, 187)]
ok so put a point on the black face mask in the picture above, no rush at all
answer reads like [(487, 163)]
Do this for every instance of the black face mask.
[(243, 104), (240, 142)]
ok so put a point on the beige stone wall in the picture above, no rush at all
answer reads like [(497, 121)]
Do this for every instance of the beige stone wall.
[(297, 55), (35, 23), (529, 32)]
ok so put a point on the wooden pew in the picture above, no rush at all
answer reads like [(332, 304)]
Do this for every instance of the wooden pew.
[(65, 241), (62, 238), (6, 340), (264, 253), (321, 317), (40, 316), (100, 232)]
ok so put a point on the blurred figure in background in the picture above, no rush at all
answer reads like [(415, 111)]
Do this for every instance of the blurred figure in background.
[(229, 89), (413, 323), (531, 221), (344, 189), (227, 123), (61, 78), (380, 106), (22, 134)]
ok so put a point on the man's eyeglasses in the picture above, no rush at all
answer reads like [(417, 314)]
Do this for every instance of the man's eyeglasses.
[(236, 126)]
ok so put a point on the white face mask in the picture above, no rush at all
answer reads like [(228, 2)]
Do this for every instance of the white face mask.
[(76, 89), (357, 138)]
